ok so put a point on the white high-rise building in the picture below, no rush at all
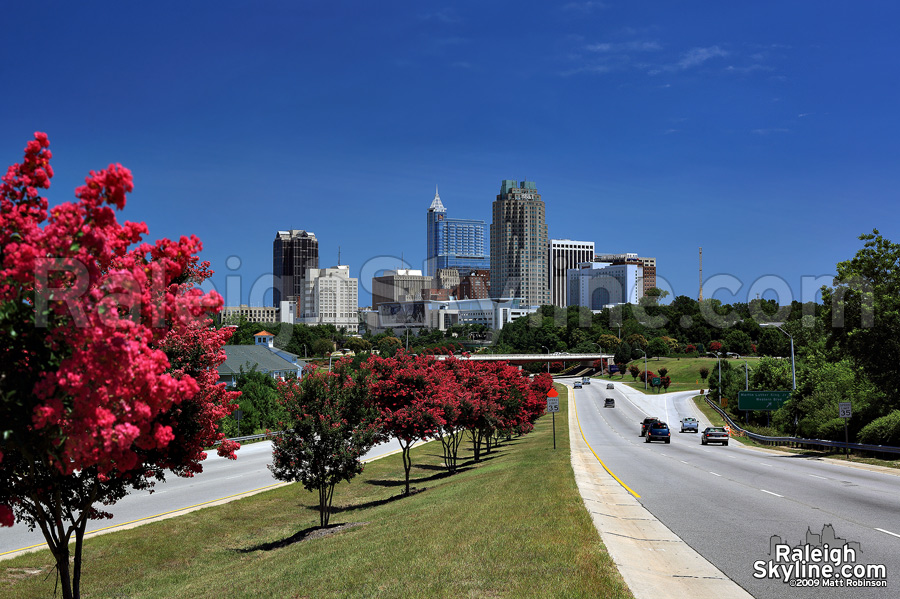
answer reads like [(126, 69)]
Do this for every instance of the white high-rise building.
[(330, 296), (565, 254), (598, 285)]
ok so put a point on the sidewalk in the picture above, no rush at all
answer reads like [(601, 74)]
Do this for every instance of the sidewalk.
[(653, 561)]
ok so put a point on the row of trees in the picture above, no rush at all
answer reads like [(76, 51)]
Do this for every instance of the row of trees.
[(335, 417)]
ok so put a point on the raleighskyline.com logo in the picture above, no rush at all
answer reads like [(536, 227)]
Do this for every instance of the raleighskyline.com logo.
[(823, 560)]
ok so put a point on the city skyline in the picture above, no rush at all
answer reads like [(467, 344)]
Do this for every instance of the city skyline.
[(764, 133)]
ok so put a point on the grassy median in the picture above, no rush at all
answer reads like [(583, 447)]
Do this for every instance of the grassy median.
[(513, 525)]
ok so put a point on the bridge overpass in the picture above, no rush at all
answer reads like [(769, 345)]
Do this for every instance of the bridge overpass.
[(588, 358)]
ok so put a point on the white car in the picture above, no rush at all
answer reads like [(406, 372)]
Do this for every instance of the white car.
[(576, 385)]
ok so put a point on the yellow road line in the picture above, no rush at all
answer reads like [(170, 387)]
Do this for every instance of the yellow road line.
[(90, 532), (188, 507), (578, 420)]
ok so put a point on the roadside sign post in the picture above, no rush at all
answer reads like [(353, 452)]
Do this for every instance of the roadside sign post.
[(845, 411), (553, 408), (237, 416)]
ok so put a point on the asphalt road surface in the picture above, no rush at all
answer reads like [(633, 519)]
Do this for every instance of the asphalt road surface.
[(219, 480), (728, 502)]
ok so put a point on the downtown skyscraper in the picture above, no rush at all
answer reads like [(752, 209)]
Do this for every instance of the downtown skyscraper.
[(453, 242), (519, 245), (294, 252)]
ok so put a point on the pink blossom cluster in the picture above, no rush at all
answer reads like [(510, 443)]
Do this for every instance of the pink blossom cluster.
[(102, 309)]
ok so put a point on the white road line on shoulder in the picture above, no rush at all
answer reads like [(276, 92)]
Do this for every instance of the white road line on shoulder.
[(817, 476), (714, 474), (771, 493), (887, 532)]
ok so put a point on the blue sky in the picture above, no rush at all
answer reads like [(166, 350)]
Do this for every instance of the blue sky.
[(765, 132)]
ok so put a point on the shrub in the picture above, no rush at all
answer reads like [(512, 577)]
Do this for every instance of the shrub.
[(882, 431), (689, 349)]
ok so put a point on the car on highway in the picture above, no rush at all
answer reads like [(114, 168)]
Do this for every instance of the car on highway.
[(689, 425), (610, 386), (714, 434), (609, 403), (658, 431), (646, 423), (576, 385), (586, 380)]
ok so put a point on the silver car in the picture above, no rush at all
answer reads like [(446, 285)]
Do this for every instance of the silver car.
[(689, 425)]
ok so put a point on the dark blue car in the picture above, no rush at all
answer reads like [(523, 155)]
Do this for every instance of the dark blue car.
[(658, 431)]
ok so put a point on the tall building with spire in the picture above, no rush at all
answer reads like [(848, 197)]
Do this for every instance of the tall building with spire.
[(519, 245), (453, 242)]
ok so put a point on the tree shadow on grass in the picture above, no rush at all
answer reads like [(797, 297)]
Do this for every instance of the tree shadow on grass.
[(307, 534), (399, 482)]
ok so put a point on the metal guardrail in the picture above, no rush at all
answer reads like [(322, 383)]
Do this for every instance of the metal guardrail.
[(253, 437), (797, 441)]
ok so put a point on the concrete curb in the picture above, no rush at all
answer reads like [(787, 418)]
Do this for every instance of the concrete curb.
[(653, 561)]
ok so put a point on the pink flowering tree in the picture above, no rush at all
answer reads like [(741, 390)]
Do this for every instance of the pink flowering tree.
[(401, 388), (108, 361), (452, 375), (330, 425)]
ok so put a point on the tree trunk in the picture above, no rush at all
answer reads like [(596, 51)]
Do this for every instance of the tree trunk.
[(407, 461), (476, 443)]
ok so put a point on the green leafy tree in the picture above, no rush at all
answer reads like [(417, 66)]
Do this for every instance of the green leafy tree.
[(322, 347), (863, 313), (738, 342), (608, 342), (623, 353), (658, 347), (637, 340)]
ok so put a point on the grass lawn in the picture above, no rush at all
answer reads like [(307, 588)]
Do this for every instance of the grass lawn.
[(684, 372), (513, 525)]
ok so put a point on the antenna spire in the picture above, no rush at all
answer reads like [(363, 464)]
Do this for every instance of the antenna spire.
[(700, 298)]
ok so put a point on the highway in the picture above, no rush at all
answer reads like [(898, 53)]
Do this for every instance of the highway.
[(727, 502), (220, 480)]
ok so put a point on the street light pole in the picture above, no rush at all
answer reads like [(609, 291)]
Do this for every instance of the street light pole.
[(548, 357), (719, 360), (645, 367), (777, 325), (746, 377)]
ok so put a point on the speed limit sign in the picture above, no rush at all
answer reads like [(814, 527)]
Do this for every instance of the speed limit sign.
[(844, 410)]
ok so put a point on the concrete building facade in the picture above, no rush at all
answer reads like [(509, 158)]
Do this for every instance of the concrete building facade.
[(519, 244), (401, 285), (647, 264), (563, 255), (599, 285), (331, 296)]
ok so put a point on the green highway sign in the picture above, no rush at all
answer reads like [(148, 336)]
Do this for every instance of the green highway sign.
[(762, 400)]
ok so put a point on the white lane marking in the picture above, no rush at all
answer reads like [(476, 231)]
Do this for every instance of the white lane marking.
[(771, 493), (767, 465), (231, 477), (683, 462), (887, 532), (714, 474), (817, 476)]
